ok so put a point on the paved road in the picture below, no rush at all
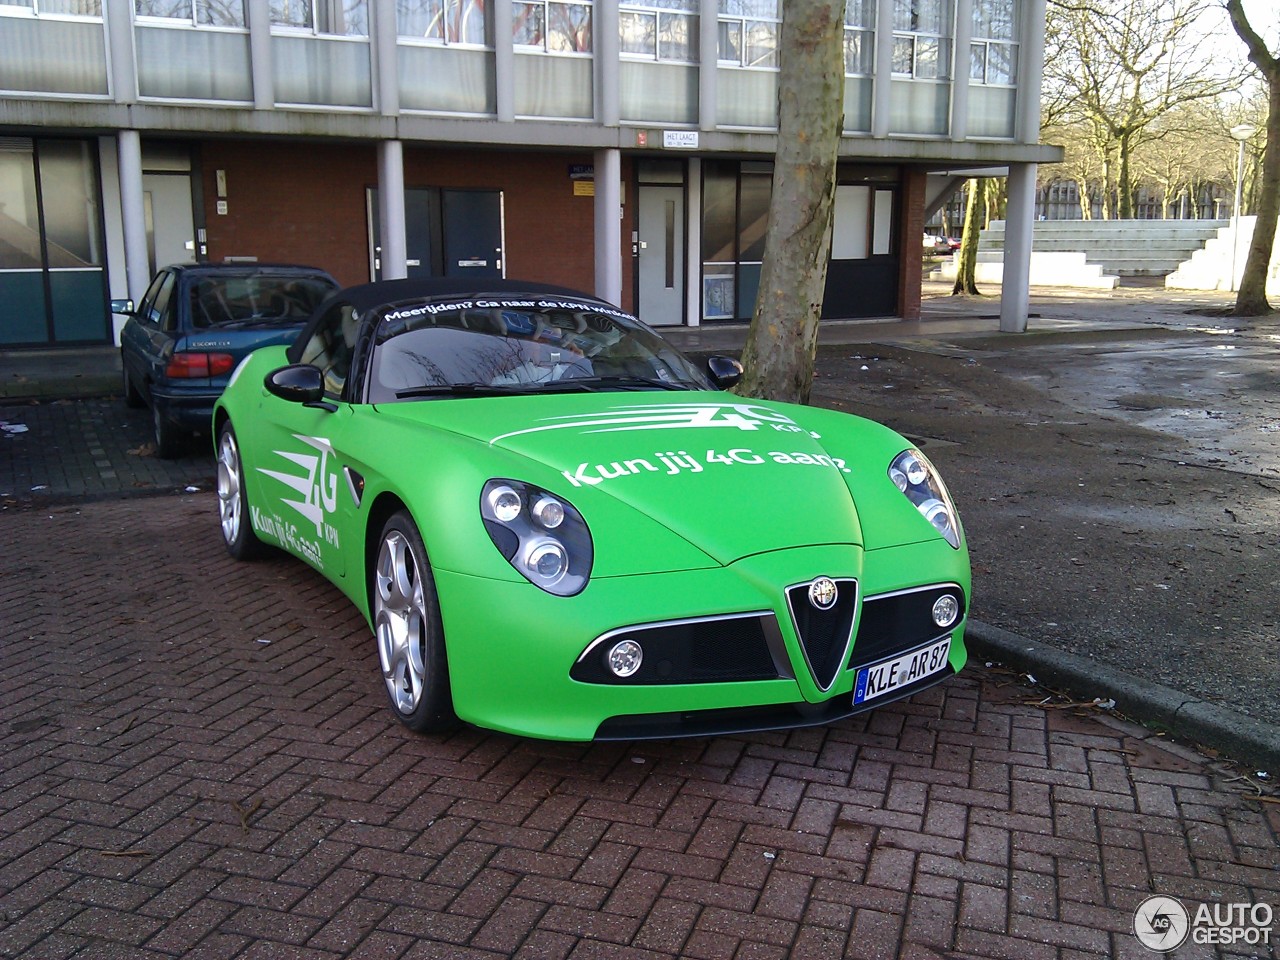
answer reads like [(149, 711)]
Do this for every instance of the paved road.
[(198, 763)]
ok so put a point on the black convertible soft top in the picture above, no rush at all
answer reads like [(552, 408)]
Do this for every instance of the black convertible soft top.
[(366, 296)]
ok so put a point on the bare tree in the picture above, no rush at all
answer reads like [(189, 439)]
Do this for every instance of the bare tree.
[(1119, 65), (1251, 299), (783, 336)]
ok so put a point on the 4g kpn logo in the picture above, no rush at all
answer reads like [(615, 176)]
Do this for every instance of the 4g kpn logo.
[(1163, 924)]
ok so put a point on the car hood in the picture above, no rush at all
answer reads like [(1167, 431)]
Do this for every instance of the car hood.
[(732, 476)]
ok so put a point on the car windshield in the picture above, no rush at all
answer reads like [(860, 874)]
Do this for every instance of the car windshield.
[(503, 346), (253, 298)]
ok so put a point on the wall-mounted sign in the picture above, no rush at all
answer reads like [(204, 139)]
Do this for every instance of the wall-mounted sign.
[(584, 188), (680, 139), (582, 171)]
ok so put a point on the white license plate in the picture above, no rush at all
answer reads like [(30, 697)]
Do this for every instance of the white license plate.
[(890, 675)]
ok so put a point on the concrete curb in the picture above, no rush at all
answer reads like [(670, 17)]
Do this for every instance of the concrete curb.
[(1234, 734)]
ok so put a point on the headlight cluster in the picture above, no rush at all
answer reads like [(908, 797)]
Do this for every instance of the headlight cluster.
[(542, 536), (915, 476)]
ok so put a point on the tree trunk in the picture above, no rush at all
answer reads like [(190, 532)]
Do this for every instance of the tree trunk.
[(1251, 299), (1126, 188), (967, 260), (779, 354)]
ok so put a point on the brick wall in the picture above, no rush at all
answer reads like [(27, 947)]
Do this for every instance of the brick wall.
[(305, 202), (909, 279)]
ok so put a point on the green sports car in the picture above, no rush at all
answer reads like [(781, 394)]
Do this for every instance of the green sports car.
[(558, 526)]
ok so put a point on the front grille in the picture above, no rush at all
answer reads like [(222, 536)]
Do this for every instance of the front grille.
[(712, 650), (896, 622), (824, 634)]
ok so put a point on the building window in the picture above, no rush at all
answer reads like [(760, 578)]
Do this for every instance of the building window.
[(749, 32), (859, 37), (659, 30), (443, 21), (552, 26), (993, 54), (922, 39), (343, 18), (52, 8), (200, 13)]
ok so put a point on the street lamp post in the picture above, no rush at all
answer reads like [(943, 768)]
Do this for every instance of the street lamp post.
[(1241, 133)]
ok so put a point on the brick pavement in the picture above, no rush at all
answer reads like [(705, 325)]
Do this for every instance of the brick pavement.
[(198, 763), (56, 449)]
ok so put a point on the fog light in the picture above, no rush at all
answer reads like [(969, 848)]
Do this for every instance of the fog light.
[(945, 610), (625, 658)]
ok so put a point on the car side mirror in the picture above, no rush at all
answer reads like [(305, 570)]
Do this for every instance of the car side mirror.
[(124, 307), (725, 371), (297, 383)]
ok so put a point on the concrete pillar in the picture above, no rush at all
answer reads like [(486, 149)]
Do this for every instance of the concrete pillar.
[(124, 72), (391, 210), (133, 213), (608, 225), (264, 80), (1015, 293), (882, 90), (504, 61), (960, 70), (1030, 72), (606, 56), (386, 65), (708, 56), (693, 245)]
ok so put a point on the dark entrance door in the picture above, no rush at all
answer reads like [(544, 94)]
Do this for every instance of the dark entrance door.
[(448, 233), (472, 233)]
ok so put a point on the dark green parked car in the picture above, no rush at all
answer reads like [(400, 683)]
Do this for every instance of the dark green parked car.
[(195, 323)]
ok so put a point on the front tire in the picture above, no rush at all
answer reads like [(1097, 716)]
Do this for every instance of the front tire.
[(408, 629), (233, 505)]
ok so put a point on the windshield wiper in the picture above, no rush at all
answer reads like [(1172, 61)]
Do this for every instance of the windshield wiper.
[(624, 383), (469, 389)]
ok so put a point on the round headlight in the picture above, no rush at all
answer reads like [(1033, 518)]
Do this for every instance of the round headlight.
[(547, 560), (505, 503), (915, 470), (945, 610), (899, 479), (549, 512), (937, 513), (625, 657)]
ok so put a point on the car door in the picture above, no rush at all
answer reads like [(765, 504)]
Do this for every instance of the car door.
[(304, 486), (145, 345)]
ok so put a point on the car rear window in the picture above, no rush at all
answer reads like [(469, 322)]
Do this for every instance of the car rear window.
[(255, 298)]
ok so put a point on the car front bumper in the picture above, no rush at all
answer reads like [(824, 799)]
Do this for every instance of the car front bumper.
[(512, 648)]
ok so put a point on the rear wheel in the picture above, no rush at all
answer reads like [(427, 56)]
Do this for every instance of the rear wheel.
[(408, 630), (170, 440), (233, 506)]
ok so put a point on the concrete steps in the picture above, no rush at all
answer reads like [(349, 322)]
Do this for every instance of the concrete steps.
[(1095, 253), (1124, 248), (1220, 264)]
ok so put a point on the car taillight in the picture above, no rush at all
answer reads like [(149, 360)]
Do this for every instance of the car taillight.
[(199, 365)]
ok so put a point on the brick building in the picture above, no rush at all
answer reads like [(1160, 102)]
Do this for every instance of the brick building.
[(620, 147)]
